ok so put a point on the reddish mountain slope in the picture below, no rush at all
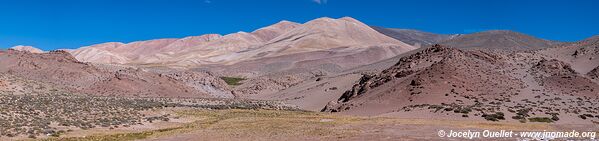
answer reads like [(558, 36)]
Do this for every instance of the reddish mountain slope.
[(343, 36), (582, 55), (462, 84), (64, 71), (498, 40)]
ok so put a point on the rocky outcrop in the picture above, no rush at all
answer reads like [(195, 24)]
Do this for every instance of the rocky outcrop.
[(267, 84), (594, 74), (553, 67), (582, 56), (203, 82)]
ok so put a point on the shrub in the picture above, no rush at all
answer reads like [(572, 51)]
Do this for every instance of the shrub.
[(554, 116), (494, 117), (517, 117), (232, 80), (463, 110), (540, 119), (582, 117)]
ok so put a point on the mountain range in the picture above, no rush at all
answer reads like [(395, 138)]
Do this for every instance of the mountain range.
[(414, 37), (342, 66), (280, 39), (498, 39)]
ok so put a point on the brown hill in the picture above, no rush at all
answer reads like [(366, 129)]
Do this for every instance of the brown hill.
[(498, 39), (414, 37), (101, 53), (582, 55), (62, 70), (464, 84)]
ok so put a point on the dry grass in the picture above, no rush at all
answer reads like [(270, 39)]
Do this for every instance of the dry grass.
[(469, 124), (238, 122), (268, 124)]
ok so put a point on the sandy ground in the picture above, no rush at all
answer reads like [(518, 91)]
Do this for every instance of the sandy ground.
[(297, 125), (313, 95), (336, 127)]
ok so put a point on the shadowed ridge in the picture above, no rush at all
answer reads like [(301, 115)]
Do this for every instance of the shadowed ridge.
[(498, 39), (414, 37)]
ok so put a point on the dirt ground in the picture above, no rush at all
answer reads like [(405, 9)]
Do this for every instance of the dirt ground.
[(196, 124)]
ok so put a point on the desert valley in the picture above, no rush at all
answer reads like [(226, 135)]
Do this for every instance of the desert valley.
[(325, 79)]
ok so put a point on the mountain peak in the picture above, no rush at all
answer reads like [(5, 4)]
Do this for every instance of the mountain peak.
[(346, 18), (27, 48), (205, 37), (285, 22), (109, 44), (274, 30), (326, 21), (321, 19), (500, 32), (327, 33)]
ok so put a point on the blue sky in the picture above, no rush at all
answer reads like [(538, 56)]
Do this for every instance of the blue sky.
[(53, 24)]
